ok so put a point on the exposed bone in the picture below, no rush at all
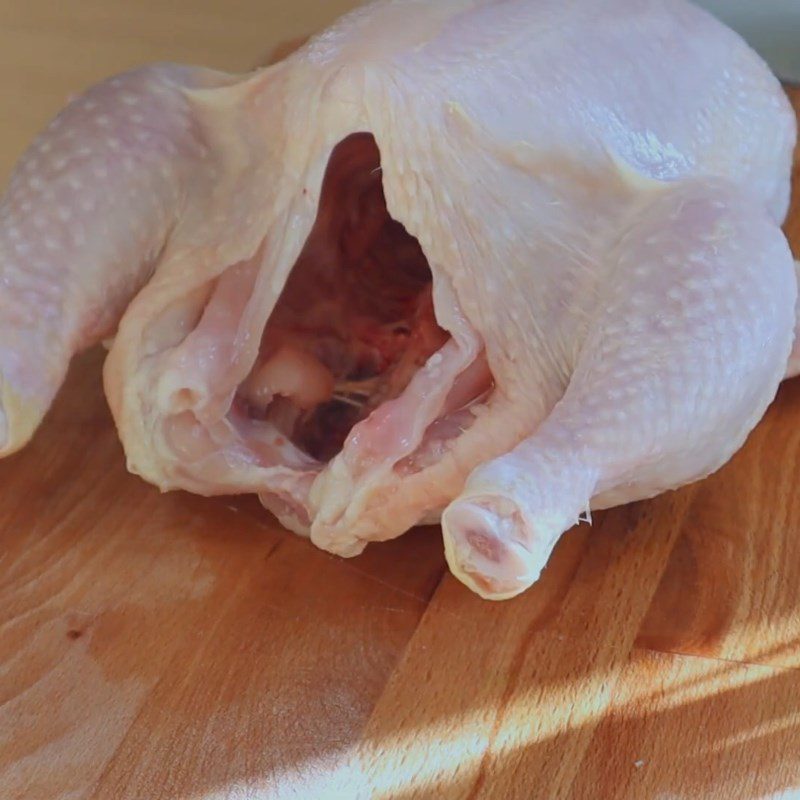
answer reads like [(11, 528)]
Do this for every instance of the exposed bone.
[(292, 373)]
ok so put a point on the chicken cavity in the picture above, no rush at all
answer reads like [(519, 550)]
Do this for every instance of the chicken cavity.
[(355, 320)]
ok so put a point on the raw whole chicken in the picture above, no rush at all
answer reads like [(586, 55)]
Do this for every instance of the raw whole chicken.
[(494, 262)]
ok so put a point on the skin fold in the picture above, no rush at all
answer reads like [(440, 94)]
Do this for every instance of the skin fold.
[(493, 262)]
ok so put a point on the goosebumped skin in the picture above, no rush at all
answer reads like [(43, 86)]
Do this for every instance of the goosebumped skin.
[(597, 189)]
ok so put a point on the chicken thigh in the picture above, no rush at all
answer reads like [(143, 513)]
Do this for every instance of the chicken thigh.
[(493, 262)]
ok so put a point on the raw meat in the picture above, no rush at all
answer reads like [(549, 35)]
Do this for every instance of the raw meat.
[(497, 262)]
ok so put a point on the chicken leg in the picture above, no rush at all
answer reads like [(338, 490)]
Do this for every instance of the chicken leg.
[(72, 253), (697, 287)]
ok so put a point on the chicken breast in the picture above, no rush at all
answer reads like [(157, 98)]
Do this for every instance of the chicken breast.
[(494, 262)]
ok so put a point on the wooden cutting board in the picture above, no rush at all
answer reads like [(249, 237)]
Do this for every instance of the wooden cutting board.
[(164, 647)]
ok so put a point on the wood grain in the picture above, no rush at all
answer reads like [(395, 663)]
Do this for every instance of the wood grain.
[(171, 647)]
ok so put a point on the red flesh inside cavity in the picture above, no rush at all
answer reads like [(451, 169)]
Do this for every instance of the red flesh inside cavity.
[(355, 320)]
